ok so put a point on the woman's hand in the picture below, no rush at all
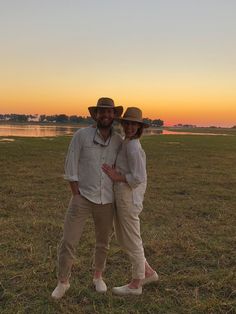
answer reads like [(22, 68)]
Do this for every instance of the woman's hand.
[(113, 174)]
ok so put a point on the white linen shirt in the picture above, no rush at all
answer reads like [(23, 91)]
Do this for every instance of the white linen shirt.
[(131, 162), (86, 155)]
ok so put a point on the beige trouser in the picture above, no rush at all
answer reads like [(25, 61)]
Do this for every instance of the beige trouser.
[(127, 228), (79, 210)]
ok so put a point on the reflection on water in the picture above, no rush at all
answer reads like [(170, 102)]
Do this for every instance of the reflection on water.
[(7, 140), (153, 131), (33, 130), (36, 130)]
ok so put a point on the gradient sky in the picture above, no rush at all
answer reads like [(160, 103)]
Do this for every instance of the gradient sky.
[(175, 59)]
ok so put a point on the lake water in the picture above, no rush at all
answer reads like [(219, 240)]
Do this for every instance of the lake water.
[(30, 130), (33, 130)]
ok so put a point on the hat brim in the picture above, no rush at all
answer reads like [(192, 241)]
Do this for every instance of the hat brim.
[(93, 111), (144, 124)]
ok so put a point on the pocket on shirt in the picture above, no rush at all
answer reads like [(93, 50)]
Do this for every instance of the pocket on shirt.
[(90, 153)]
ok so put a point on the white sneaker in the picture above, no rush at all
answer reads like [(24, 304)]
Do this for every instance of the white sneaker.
[(100, 285), (154, 277), (60, 290), (125, 290)]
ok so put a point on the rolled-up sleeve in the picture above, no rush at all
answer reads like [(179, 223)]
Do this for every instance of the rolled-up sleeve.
[(72, 158), (137, 165)]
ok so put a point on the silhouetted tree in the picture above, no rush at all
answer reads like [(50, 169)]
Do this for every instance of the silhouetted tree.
[(158, 122), (74, 119), (42, 117), (62, 118)]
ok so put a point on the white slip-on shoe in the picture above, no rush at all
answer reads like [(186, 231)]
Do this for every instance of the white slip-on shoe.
[(60, 290), (153, 278), (125, 290), (100, 285)]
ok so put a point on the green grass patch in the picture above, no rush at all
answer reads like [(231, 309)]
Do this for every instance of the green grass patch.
[(188, 229)]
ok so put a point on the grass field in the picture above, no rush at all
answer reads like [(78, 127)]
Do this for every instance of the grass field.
[(188, 229)]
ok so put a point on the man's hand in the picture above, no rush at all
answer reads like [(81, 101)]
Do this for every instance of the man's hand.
[(74, 185)]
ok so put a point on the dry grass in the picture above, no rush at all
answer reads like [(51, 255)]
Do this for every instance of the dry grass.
[(188, 228)]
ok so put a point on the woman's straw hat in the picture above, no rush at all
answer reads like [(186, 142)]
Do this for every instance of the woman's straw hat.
[(133, 114), (105, 102)]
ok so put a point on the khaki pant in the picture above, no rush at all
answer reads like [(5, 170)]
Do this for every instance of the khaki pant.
[(127, 229), (79, 210)]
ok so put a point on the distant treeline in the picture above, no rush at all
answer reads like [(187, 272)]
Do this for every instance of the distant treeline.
[(61, 118)]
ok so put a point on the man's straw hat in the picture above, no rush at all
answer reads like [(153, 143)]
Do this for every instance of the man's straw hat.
[(133, 114), (105, 102)]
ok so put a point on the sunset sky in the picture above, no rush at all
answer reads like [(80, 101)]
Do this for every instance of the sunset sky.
[(175, 59)]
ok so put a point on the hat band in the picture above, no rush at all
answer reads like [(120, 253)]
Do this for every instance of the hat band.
[(105, 105), (132, 118)]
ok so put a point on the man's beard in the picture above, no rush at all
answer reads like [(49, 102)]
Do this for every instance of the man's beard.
[(100, 125)]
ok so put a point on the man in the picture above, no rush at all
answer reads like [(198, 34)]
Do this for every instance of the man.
[(92, 192)]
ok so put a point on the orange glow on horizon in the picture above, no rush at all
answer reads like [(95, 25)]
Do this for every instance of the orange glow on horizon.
[(183, 103), (172, 113)]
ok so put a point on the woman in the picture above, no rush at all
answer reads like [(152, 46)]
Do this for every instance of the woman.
[(130, 180)]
